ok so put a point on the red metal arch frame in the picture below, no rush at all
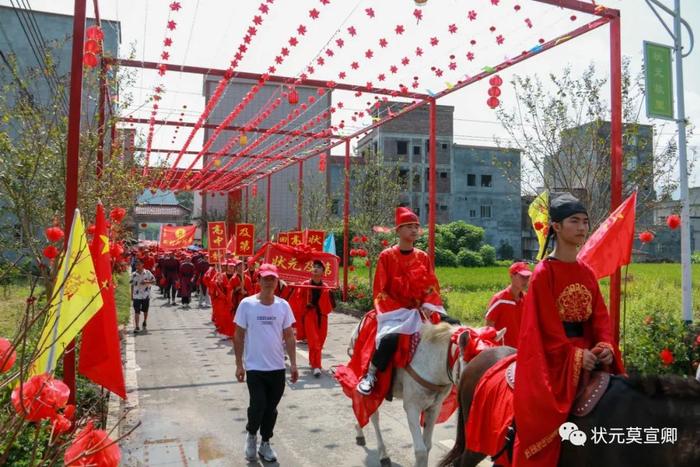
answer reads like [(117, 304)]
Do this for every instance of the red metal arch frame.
[(236, 182)]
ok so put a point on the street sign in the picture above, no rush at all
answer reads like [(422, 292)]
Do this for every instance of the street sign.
[(658, 80)]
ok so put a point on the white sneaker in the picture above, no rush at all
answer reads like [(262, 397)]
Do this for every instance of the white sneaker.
[(266, 452), (317, 372), (251, 445), (366, 384)]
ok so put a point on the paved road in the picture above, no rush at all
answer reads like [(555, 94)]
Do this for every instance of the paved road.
[(182, 388)]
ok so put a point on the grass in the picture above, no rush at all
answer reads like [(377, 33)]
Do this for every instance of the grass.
[(14, 300), (650, 287)]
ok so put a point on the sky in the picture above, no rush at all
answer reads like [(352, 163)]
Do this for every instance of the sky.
[(208, 33)]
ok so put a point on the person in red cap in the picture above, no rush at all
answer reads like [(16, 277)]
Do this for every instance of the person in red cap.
[(506, 307), (263, 331), (406, 294), (314, 302)]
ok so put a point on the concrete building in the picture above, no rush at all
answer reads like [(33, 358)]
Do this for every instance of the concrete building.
[(155, 209), (477, 184), (283, 205)]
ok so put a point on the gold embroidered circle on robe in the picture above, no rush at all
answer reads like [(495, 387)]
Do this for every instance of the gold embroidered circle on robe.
[(575, 303)]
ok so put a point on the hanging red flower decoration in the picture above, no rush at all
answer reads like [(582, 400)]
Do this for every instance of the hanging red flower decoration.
[(494, 91), (399, 29), (418, 14), (314, 13), (370, 12), (93, 46), (352, 31), (117, 214), (50, 252), (495, 80), (90, 60), (673, 221), (471, 15), (175, 6), (172, 25), (54, 234), (94, 33), (364, 239), (493, 102), (61, 424), (666, 357), (41, 396), (500, 39), (646, 237), (92, 447), (8, 356)]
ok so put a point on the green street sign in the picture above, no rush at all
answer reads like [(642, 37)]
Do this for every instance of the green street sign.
[(658, 80)]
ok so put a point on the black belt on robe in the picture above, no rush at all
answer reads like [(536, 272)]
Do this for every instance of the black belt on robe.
[(573, 329)]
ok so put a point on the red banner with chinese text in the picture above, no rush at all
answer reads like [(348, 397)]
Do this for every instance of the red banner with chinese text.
[(283, 238), (295, 264), (296, 238), (176, 236), (217, 256), (216, 235), (314, 239), (245, 239)]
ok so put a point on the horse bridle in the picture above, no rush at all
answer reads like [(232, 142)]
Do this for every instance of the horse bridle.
[(448, 368)]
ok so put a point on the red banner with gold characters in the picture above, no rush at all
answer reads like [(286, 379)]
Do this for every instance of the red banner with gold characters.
[(315, 238), (283, 238), (245, 239), (295, 264), (216, 235), (296, 238), (217, 256), (173, 237)]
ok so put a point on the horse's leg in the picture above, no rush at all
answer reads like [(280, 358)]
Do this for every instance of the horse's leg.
[(359, 435), (429, 418), (384, 459), (419, 448)]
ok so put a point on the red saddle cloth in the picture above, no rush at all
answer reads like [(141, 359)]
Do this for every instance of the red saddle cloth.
[(491, 412)]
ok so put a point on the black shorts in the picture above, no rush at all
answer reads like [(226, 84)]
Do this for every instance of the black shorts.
[(141, 304)]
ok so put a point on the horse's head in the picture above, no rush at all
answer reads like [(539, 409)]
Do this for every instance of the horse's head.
[(472, 341)]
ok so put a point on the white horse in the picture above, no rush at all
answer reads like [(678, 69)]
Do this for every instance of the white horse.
[(423, 386)]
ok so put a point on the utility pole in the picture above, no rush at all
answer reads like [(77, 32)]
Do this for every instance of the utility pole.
[(686, 282)]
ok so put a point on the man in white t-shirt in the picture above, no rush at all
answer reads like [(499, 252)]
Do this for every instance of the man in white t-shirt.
[(263, 330), (141, 281)]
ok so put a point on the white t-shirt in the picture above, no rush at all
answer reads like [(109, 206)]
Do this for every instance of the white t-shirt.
[(264, 324)]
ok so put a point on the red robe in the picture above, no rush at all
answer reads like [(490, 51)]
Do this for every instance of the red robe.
[(222, 303), (208, 282), (549, 362), (402, 284), (238, 294), (506, 311), (313, 320)]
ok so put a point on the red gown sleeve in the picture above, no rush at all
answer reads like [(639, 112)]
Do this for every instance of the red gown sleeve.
[(548, 370), (381, 278)]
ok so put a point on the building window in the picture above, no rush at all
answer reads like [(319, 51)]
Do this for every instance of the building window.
[(471, 180), (403, 177), (486, 212), (416, 150), (444, 146), (335, 207), (374, 147), (402, 148), (472, 213), (443, 174), (443, 207), (486, 181)]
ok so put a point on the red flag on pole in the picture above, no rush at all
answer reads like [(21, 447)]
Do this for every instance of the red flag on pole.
[(610, 246), (100, 353)]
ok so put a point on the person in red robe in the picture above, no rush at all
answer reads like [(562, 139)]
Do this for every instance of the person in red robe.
[(406, 294), (314, 302), (240, 286), (505, 309), (221, 291), (186, 275), (567, 332), (169, 268)]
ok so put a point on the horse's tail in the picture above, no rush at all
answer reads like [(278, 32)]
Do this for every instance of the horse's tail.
[(459, 446)]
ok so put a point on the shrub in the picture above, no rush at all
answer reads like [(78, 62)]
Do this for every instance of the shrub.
[(360, 297), (695, 258), (469, 258), (444, 257), (488, 255), (468, 236), (505, 251)]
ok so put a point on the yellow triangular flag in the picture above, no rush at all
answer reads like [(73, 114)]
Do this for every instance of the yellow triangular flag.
[(539, 214), (75, 299)]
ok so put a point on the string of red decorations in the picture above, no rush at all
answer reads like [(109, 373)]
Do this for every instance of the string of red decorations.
[(256, 22), (170, 26)]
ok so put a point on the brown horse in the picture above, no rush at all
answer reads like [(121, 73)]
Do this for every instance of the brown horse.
[(640, 403)]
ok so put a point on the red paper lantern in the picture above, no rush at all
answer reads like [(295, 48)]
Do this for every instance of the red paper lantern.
[(41, 397), (493, 102), (322, 163), (93, 46), (243, 139), (673, 221), (117, 214), (495, 80), (95, 33), (254, 191), (54, 234), (116, 250), (494, 91), (97, 443), (7, 355), (91, 229), (293, 97), (90, 59), (646, 237), (50, 252)]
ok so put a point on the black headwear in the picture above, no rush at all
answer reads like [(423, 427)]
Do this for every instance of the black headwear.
[(565, 205)]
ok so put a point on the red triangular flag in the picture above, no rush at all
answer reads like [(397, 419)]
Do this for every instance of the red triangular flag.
[(231, 246), (100, 352), (610, 246)]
